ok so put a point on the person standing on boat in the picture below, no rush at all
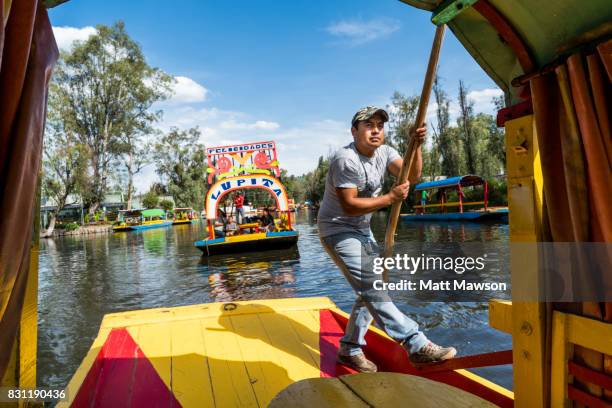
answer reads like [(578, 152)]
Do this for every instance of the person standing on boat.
[(352, 193), (239, 204)]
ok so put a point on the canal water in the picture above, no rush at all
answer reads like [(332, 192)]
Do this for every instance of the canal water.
[(82, 278)]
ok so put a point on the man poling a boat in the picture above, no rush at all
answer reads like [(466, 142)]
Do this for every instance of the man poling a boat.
[(352, 193)]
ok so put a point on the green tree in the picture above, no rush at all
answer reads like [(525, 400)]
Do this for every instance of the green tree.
[(295, 185), (402, 114), (497, 138), (488, 161), (167, 205), (315, 181), (64, 163), (150, 199), (465, 122), (181, 163), (102, 91), (448, 143)]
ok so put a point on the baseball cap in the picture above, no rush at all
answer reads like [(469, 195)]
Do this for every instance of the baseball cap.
[(367, 112)]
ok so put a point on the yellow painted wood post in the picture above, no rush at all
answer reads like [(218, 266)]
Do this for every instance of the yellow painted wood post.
[(525, 189), (559, 358)]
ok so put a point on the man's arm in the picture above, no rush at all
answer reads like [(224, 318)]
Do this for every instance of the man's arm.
[(354, 206)]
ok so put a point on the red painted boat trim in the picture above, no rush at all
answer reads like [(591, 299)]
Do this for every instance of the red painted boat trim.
[(330, 333), (514, 112), (391, 357), (585, 398), (590, 375), (122, 376)]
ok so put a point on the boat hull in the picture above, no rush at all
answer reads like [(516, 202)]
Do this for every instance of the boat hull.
[(248, 243), (141, 227), (499, 215), (181, 222), (232, 354)]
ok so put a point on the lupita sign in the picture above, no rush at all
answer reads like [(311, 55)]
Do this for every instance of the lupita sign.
[(222, 187)]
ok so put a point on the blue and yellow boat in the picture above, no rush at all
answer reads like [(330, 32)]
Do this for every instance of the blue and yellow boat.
[(438, 211), (239, 167), (184, 216), (131, 220)]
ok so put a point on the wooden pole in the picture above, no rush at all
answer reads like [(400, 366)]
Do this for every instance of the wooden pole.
[(412, 146)]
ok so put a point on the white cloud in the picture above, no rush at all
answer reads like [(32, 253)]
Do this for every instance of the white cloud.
[(299, 148), (483, 99), (260, 124), (359, 32), (66, 36), (186, 90)]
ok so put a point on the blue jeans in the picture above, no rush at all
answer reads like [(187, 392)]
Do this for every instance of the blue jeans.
[(353, 253), (240, 215)]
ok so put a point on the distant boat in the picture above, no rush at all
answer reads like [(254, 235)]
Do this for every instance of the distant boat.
[(438, 210), (184, 216), (227, 166), (130, 220)]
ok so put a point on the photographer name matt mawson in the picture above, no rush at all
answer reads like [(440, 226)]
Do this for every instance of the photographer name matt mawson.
[(437, 273)]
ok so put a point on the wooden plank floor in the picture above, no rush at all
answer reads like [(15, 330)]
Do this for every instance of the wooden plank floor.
[(207, 357)]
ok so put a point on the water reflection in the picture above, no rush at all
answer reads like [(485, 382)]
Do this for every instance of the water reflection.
[(252, 275), (154, 240)]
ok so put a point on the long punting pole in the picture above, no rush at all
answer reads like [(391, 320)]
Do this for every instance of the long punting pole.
[(412, 146)]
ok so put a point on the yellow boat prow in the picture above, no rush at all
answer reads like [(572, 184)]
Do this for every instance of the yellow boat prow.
[(225, 355)]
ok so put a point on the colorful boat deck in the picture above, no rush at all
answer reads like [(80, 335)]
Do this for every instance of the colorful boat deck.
[(229, 355)]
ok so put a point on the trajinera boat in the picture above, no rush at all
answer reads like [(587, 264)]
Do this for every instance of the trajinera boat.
[(552, 60), (184, 216), (238, 167), (438, 191), (130, 220)]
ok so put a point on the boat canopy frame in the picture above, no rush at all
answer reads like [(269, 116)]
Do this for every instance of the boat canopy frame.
[(457, 182)]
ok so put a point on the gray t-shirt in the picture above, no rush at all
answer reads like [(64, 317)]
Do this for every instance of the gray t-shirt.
[(350, 169)]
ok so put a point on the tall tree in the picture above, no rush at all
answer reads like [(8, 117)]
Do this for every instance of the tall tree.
[(293, 184), (315, 181), (497, 139), (103, 90), (402, 113), (181, 163), (64, 164), (465, 122), (449, 144)]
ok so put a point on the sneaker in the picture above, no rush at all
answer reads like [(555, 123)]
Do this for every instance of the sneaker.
[(431, 353), (358, 362)]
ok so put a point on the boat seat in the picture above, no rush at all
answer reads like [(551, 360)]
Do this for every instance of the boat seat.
[(374, 390)]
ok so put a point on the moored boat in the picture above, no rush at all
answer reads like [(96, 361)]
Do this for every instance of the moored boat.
[(438, 210), (132, 220), (184, 216)]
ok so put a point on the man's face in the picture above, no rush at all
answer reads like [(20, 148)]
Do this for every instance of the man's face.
[(370, 133)]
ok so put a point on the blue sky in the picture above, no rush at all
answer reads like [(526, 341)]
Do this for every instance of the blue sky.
[(290, 71)]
